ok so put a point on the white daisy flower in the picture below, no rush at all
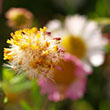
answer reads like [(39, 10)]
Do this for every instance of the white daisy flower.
[(81, 38)]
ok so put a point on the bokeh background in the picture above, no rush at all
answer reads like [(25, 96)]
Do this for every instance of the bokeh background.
[(24, 94)]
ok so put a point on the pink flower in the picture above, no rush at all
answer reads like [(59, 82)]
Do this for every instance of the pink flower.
[(70, 82)]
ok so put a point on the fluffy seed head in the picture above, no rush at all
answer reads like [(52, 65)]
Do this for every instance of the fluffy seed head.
[(33, 51)]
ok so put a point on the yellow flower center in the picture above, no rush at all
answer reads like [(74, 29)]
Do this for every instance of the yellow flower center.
[(20, 20), (65, 76), (75, 46)]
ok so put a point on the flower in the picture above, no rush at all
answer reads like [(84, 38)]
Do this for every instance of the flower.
[(81, 38), (19, 18), (33, 51), (70, 82)]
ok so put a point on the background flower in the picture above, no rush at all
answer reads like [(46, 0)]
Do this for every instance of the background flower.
[(82, 38), (67, 83), (19, 18)]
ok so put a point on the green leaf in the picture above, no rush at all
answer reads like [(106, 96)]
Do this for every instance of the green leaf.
[(107, 48), (36, 96), (25, 105), (7, 74)]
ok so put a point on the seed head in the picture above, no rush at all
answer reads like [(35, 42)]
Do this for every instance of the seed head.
[(32, 51)]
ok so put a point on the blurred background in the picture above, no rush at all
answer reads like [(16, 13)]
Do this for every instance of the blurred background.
[(19, 93)]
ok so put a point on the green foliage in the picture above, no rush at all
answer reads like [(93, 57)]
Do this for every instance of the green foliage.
[(36, 96), (25, 105), (7, 74), (104, 105), (101, 8), (82, 105), (107, 48), (15, 83)]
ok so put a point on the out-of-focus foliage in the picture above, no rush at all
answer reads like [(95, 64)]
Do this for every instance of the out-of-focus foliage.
[(14, 83)]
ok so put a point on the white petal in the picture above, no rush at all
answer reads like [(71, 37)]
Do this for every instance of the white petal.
[(96, 40), (97, 59), (75, 24), (90, 28), (53, 25)]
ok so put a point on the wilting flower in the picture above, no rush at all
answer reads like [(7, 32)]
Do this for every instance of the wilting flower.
[(19, 18), (69, 81), (33, 51), (81, 38)]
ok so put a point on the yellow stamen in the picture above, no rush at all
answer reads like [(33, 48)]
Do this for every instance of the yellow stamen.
[(23, 46), (38, 35), (45, 29), (6, 50), (33, 47), (29, 41), (20, 62), (41, 30), (12, 34), (55, 48), (8, 41), (33, 65), (34, 29), (47, 43), (10, 60), (37, 42)]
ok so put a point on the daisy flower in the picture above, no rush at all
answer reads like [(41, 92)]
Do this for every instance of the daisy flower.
[(81, 38), (69, 81), (19, 18), (33, 51)]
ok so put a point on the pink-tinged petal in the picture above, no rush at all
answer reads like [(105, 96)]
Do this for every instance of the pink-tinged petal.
[(74, 90), (80, 67), (55, 96), (46, 85), (77, 89)]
